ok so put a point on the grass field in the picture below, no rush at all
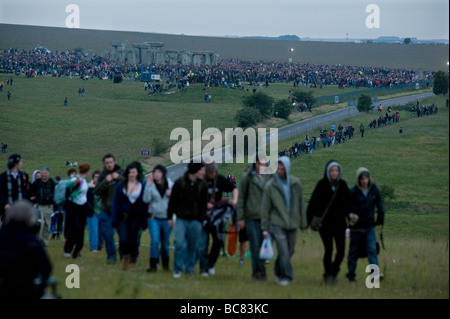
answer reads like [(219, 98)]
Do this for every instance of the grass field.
[(416, 259), (118, 118), (122, 119), (425, 57)]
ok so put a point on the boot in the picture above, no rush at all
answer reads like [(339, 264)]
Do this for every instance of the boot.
[(124, 262), (153, 263), (165, 263)]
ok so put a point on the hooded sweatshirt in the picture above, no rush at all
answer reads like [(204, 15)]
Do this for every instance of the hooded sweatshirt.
[(285, 184), (274, 207), (322, 195), (364, 205)]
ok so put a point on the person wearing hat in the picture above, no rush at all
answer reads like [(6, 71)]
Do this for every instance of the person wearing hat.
[(365, 197), (157, 193), (331, 201), (12, 187), (188, 202), (77, 210), (41, 192)]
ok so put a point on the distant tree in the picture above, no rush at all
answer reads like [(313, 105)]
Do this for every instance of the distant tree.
[(261, 102), (302, 96), (247, 117), (440, 84), (364, 103), (406, 40), (283, 107), (79, 50)]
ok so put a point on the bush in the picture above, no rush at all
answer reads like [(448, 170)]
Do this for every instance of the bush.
[(283, 107), (158, 147), (247, 117), (302, 96), (387, 193), (364, 103), (440, 84), (261, 102)]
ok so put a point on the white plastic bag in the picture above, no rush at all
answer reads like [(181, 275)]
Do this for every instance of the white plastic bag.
[(266, 251)]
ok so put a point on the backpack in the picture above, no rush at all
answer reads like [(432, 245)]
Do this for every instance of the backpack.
[(60, 194)]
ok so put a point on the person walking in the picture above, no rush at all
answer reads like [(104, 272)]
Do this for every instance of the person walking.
[(188, 202), (251, 189), (157, 194), (365, 198), (93, 221), (217, 186), (111, 175), (12, 185), (77, 209), (129, 214), (41, 193), (282, 213), (331, 201)]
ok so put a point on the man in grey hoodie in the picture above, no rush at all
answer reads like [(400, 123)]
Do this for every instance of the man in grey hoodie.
[(282, 213)]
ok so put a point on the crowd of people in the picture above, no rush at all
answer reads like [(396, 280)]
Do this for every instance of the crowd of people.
[(127, 203), (230, 73), (337, 135)]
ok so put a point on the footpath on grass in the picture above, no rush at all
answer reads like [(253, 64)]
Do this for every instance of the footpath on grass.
[(285, 132)]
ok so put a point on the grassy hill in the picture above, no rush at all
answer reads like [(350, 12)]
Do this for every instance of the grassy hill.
[(415, 262), (425, 57)]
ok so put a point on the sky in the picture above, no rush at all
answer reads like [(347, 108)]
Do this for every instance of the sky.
[(313, 18)]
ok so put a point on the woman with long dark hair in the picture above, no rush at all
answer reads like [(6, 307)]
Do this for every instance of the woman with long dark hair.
[(331, 200), (129, 214), (157, 194)]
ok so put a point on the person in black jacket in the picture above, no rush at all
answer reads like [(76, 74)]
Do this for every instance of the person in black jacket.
[(41, 192), (129, 214), (365, 196), (331, 188), (24, 264), (12, 184), (188, 202)]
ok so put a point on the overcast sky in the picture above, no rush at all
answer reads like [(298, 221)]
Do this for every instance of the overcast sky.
[(313, 18)]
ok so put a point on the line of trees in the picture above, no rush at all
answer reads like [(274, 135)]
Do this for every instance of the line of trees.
[(261, 106)]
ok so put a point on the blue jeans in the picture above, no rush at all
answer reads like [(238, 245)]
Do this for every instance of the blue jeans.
[(188, 231), (160, 234), (92, 223), (357, 240), (107, 233), (255, 239)]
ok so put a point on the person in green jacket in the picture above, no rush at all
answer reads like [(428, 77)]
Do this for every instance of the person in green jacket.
[(282, 213), (249, 211)]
